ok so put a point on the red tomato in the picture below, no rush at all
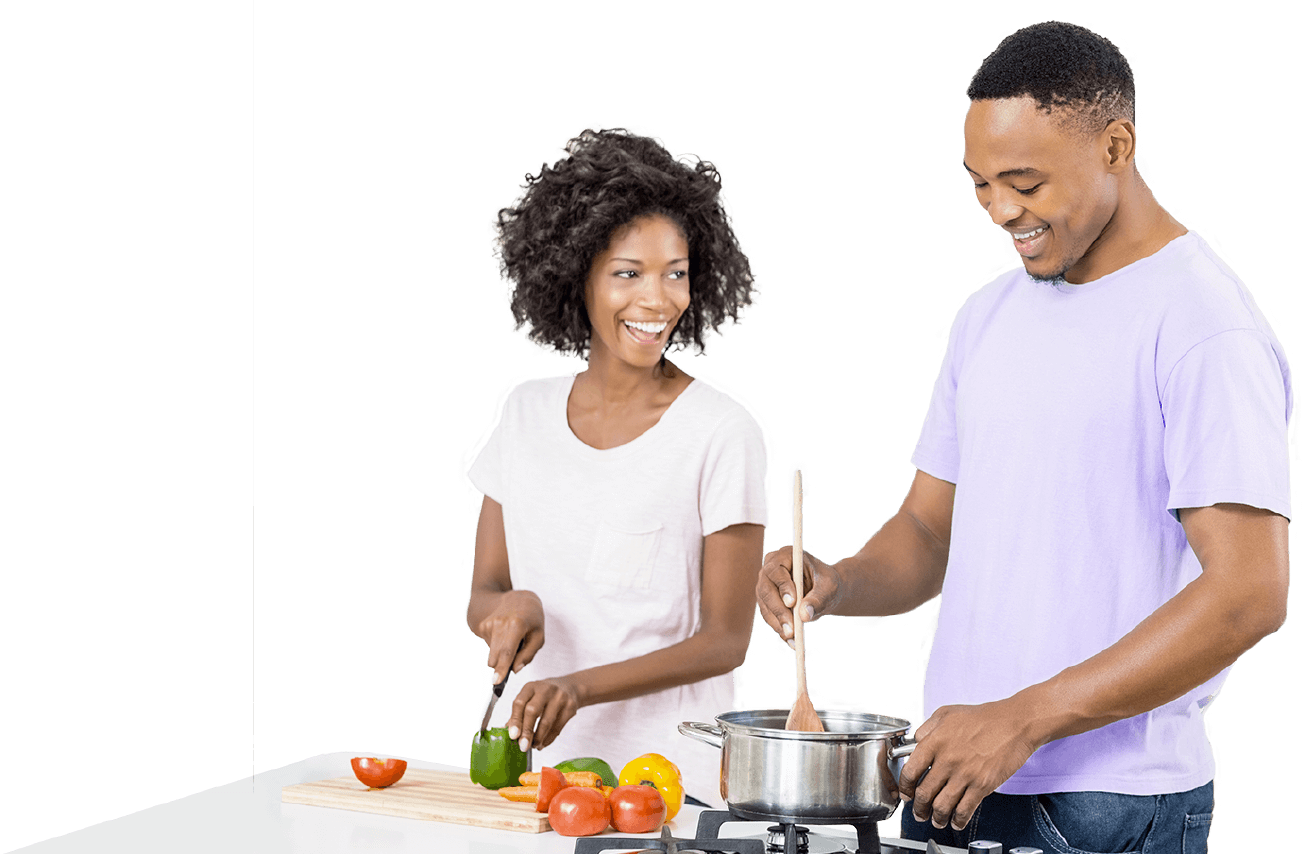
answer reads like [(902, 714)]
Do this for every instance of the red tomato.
[(636, 809), (378, 773), (550, 781), (579, 811)]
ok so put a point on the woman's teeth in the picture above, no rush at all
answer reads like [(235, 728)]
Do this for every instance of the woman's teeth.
[(1029, 234), (652, 328)]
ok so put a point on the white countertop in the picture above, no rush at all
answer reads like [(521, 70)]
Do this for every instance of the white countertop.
[(248, 816)]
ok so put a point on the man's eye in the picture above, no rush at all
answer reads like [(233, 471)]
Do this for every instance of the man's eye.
[(1028, 191), (981, 186)]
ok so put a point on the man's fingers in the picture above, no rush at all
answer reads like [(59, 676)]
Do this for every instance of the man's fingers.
[(915, 770), (775, 583)]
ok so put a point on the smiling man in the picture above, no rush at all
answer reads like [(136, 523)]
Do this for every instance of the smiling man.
[(1102, 495), (1051, 151)]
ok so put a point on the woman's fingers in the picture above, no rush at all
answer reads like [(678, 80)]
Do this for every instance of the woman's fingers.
[(541, 710)]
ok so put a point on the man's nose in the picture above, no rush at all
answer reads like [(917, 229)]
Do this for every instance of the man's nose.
[(1004, 207)]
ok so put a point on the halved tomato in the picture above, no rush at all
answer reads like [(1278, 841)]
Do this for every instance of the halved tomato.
[(579, 811), (550, 782), (378, 773)]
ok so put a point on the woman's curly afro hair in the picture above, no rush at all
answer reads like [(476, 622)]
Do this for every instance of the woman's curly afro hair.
[(1061, 66), (569, 213)]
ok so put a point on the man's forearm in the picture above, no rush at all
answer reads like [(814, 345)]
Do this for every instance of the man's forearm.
[(899, 568)]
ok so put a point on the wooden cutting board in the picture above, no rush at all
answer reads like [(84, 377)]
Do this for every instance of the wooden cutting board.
[(435, 795)]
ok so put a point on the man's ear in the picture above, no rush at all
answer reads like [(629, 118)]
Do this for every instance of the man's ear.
[(1120, 138)]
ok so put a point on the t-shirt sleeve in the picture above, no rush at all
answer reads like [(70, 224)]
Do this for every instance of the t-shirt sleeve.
[(1226, 406), (732, 488), (937, 451), (489, 472)]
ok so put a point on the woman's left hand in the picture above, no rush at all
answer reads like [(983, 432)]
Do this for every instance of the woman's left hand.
[(541, 711)]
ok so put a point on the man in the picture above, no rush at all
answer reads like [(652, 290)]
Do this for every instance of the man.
[(1102, 494)]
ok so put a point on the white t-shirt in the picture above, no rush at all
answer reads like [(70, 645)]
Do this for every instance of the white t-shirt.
[(1073, 420), (611, 541)]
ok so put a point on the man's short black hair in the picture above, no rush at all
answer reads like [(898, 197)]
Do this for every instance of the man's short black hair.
[(1065, 68)]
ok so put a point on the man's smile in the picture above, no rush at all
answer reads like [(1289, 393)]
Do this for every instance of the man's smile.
[(1030, 242)]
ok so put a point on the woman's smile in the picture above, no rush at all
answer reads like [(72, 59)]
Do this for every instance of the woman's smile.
[(646, 333)]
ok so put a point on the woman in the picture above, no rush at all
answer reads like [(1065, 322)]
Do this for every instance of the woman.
[(621, 530)]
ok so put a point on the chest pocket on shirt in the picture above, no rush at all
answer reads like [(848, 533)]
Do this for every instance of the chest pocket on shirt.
[(623, 559)]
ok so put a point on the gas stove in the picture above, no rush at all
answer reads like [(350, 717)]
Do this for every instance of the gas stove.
[(781, 838)]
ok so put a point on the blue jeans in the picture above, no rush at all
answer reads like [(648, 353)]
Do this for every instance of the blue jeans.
[(1083, 823)]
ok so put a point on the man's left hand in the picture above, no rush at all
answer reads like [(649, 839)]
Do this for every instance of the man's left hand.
[(966, 751)]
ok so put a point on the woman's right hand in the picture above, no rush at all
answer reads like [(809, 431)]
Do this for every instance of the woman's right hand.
[(776, 592), (514, 632)]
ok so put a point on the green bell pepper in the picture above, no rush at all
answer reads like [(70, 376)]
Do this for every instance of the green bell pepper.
[(496, 759)]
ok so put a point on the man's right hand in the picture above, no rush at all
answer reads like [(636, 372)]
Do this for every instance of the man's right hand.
[(776, 592)]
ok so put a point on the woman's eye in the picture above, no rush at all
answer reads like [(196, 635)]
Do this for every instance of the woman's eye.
[(633, 274)]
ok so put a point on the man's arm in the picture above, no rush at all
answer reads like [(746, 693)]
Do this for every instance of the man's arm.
[(899, 568), (1238, 599)]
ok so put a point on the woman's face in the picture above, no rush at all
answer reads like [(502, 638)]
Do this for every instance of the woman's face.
[(637, 290)]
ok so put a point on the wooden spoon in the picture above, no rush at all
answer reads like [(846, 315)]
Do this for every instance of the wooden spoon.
[(803, 717)]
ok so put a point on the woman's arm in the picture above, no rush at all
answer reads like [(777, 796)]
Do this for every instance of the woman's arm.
[(510, 621), (729, 566)]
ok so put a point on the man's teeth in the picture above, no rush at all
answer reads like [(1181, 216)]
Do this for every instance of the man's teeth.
[(1029, 234), (653, 328)]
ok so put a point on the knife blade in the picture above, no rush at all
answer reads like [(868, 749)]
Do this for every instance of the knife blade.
[(494, 695)]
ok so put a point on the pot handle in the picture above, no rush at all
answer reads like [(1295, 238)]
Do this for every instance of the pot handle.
[(710, 734), (897, 755), (905, 748)]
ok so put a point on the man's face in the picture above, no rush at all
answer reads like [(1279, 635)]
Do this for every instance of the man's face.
[(1049, 187)]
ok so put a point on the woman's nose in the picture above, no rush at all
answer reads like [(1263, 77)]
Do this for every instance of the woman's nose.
[(653, 292)]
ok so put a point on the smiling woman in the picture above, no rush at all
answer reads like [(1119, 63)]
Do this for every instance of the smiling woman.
[(621, 525), (570, 212)]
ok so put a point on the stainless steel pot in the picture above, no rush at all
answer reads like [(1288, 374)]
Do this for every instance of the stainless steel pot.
[(768, 773)]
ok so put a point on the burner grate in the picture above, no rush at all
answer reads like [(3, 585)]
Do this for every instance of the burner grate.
[(669, 844), (866, 832)]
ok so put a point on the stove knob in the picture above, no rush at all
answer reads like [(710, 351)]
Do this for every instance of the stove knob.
[(984, 847), (1026, 849)]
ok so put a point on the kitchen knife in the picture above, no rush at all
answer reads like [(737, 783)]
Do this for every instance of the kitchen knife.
[(493, 701)]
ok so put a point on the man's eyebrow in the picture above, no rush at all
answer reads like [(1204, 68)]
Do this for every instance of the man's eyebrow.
[(1010, 173)]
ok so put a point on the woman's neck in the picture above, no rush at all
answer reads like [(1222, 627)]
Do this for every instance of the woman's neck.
[(616, 382)]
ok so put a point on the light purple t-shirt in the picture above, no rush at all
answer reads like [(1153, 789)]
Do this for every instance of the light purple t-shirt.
[(1074, 420)]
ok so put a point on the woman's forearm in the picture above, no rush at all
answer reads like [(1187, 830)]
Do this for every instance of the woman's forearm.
[(701, 656)]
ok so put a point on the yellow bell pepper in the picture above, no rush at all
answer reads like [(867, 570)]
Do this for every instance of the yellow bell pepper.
[(652, 769)]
